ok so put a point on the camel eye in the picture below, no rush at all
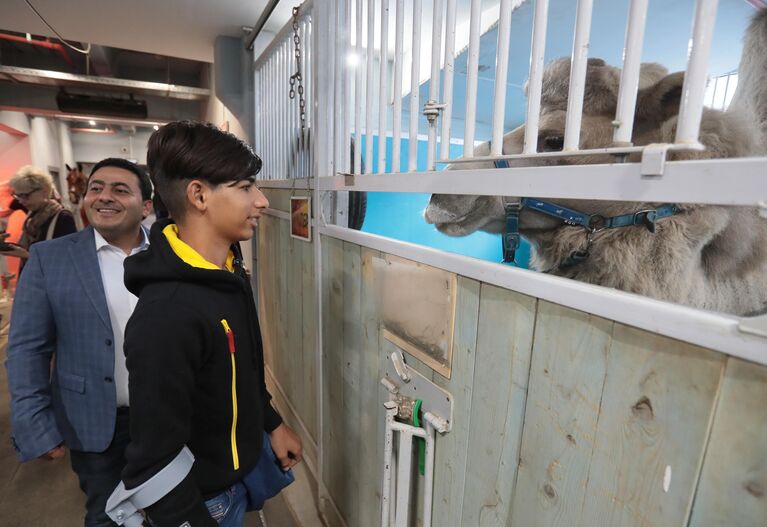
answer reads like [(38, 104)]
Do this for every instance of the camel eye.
[(553, 143)]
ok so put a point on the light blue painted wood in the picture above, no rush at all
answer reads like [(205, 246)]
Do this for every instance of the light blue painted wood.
[(371, 408), (501, 371), (451, 449), (733, 484), (309, 348), (567, 373), (348, 499), (658, 401), (332, 370)]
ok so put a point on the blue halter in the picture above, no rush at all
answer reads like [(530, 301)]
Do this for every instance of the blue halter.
[(593, 223)]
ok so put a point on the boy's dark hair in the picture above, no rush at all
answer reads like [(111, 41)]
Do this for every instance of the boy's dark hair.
[(185, 150), (144, 183)]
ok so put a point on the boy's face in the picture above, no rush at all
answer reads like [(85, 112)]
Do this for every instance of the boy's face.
[(113, 202), (235, 209)]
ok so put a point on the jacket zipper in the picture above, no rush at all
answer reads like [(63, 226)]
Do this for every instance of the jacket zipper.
[(230, 339)]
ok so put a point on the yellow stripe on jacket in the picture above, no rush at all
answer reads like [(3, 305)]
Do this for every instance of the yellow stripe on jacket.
[(230, 339)]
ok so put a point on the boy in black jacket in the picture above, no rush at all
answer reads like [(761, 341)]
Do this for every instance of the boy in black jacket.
[(193, 344)]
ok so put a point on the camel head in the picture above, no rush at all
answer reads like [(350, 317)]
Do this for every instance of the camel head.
[(658, 101)]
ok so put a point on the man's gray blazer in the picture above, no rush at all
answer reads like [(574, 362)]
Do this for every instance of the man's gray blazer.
[(60, 308)]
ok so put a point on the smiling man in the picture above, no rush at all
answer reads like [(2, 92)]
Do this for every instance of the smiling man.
[(71, 302)]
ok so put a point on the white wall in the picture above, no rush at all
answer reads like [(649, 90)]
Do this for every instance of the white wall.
[(91, 148)]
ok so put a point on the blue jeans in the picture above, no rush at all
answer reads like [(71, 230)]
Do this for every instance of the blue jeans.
[(228, 508)]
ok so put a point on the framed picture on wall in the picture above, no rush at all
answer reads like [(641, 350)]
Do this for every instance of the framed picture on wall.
[(301, 218)]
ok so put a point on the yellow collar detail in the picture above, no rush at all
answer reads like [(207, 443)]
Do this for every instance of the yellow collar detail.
[(189, 255)]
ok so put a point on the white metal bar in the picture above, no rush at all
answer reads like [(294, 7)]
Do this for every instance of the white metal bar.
[(338, 68), (284, 33), (347, 88), (501, 75), (472, 77), (284, 117), (447, 88), (369, 90), (358, 89), (271, 79), (399, 33), (302, 184), (578, 63), (414, 85), (436, 53), (715, 331), (391, 412), (694, 88), (404, 471), (536, 76), (632, 59), (428, 488), (383, 92), (683, 182)]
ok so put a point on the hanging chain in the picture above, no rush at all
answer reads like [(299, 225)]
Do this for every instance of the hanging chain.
[(296, 78)]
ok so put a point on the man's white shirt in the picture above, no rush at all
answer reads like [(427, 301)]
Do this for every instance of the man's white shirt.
[(121, 303)]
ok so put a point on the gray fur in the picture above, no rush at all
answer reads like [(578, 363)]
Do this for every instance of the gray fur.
[(711, 257)]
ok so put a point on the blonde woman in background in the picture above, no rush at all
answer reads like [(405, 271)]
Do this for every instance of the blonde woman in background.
[(46, 217)]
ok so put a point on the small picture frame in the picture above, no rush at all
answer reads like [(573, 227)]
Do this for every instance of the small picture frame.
[(301, 218)]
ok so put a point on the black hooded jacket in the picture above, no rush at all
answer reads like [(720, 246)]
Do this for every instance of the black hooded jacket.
[(196, 376)]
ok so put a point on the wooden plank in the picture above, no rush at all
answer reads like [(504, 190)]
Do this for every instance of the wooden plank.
[(263, 270), (371, 408), (733, 483), (332, 370), (293, 361), (567, 374), (310, 393), (348, 457), (451, 449), (657, 405), (282, 360), (501, 371)]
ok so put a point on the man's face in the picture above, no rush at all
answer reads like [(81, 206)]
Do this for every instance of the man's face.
[(235, 208), (113, 202)]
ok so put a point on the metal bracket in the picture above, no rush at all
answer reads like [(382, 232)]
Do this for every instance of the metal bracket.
[(434, 400), (654, 159), (431, 110), (754, 325)]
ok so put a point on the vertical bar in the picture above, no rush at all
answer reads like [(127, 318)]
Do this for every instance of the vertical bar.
[(338, 121), (404, 470), (472, 76), (285, 131), (272, 124), (578, 64), (399, 33), (412, 164), (632, 58), (347, 94), (383, 92), (447, 89), (358, 88), (388, 463), (436, 51), (428, 488), (501, 76), (694, 88), (536, 76), (369, 89)]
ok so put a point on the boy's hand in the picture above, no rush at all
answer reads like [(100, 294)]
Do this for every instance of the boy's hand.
[(286, 446)]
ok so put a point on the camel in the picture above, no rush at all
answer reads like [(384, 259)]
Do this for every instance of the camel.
[(705, 256)]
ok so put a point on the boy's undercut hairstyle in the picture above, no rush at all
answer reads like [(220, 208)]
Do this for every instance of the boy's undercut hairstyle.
[(185, 150), (144, 183)]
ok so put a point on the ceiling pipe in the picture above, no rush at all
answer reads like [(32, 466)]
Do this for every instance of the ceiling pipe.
[(58, 48), (261, 23)]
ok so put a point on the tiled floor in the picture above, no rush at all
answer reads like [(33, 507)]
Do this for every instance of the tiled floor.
[(45, 493)]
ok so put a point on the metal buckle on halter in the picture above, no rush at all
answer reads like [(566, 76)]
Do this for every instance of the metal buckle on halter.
[(647, 218), (511, 240)]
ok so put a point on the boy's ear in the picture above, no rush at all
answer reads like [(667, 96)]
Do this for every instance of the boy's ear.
[(197, 195)]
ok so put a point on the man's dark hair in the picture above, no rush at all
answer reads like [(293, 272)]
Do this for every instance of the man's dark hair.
[(144, 182), (185, 150)]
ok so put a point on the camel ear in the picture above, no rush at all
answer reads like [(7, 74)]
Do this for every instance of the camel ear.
[(68, 167), (660, 101)]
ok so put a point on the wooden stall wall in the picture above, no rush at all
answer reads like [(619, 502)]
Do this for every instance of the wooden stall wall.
[(561, 418), (285, 271)]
